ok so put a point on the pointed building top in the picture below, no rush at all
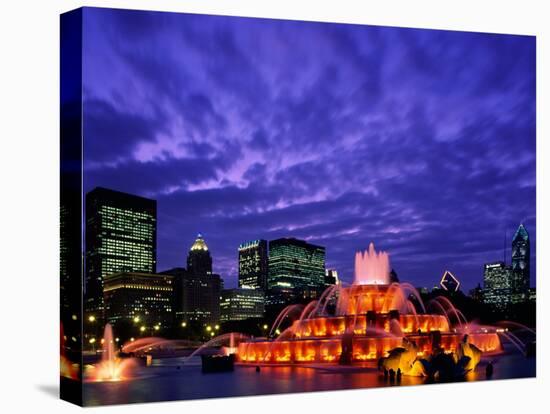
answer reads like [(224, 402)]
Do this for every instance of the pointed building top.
[(521, 232), (449, 282), (199, 244)]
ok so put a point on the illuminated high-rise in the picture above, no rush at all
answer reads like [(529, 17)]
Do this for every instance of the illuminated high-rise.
[(497, 281), (197, 290), (521, 269), (199, 260), (296, 270), (121, 236), (253, 265)]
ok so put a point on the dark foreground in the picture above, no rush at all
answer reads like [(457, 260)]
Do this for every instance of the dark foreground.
[(164, 381)]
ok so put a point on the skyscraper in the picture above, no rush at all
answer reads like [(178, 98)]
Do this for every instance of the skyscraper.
[(253, 265), (521, 269), (296, 270), (197, 290), (199, 260), (497, 285), (121, 236)]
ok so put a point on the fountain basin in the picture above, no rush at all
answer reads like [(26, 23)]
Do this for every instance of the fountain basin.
[(364, 348)]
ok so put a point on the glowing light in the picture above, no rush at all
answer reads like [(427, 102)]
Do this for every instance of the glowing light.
[(136, 319), (183, 324), (199, 244), (111, 368), (91, 318), (445, 278), (92, 340), (142, 329), (208, 328)]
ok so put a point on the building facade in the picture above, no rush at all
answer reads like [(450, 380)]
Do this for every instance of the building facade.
[(196, 296), (331, 277), (253, 265), (144, 298), (197, 290), (497, 283), (521, 268), (296, 271), (199, 260), (121, 236), (240, 304)]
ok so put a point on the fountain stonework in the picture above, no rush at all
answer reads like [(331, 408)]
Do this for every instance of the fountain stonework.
[(372, 317)]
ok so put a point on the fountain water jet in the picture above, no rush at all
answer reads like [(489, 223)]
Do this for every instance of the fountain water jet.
[(371, 267), (111, 368)]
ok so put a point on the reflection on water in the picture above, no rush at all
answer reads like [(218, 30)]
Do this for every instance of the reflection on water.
[(169, 379)]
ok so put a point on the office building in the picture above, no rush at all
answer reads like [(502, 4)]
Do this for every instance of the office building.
[(121, 236), (521, 269), (497, 280), (144, 298), (253, 265), (196, 289), (296, 271), (240, 304)]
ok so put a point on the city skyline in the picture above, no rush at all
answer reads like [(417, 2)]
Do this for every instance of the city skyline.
[(429, 155), (199, 246)]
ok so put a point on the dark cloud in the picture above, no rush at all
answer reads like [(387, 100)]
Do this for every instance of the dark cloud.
[(422, 141)]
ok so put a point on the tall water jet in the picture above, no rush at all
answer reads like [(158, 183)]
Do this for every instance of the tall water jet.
[(372, 267), (111, 368)]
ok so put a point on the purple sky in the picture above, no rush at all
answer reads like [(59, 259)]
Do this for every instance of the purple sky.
[(422, 141)]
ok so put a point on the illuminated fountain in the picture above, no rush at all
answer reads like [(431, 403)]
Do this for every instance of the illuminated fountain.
[(372, 319), (111, 367), (67, 368)]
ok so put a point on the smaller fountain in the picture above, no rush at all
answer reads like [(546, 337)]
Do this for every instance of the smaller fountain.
[(111, 367), (67, 368)]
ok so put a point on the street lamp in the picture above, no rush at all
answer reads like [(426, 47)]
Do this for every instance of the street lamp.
[(208, 328), (183, 324), (136, 319), (142, 329), (91, 318), (217, 327), (92, 342)]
